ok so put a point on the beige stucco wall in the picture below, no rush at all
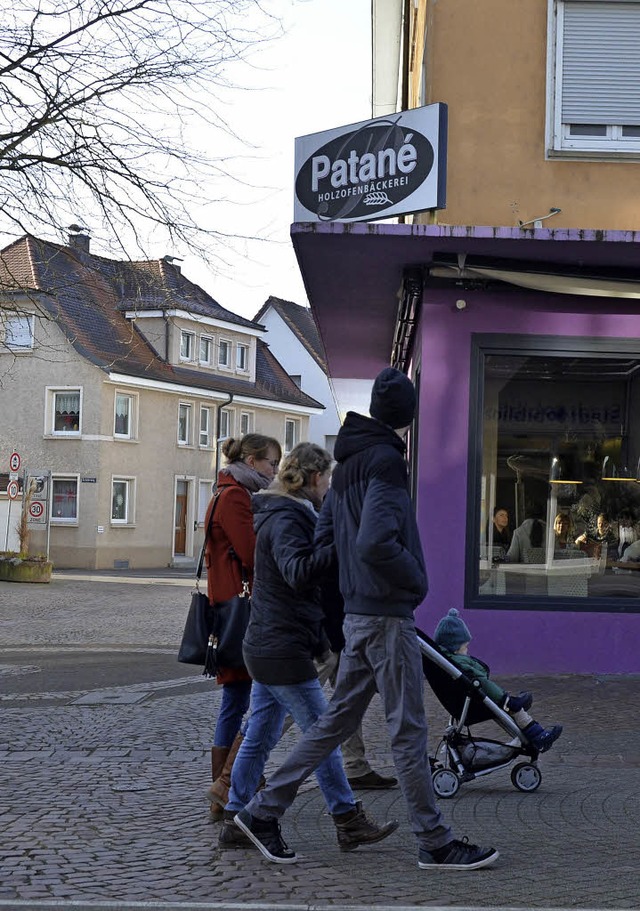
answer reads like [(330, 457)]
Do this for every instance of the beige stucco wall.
[(154, 459), (487, 59)]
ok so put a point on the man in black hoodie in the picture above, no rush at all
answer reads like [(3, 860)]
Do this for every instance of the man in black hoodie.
[(369, 518)]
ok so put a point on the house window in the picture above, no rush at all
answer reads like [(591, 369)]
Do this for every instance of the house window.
[(555, 457), (206, 350), (205, 491), (123, 418), (122, 501), (224, 353), (18, 331), (184, 424), (205, 427), (66, 405), (291, 433), (186, 346), (246, 422), (594, 66), (242, 357), (64, 500), (226, 423)]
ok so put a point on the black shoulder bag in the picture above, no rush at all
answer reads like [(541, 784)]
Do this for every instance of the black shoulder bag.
[(197, 638)]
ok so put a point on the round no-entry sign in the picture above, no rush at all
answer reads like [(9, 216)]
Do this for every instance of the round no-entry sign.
[(12, 490), (36, 509), (14, 461)]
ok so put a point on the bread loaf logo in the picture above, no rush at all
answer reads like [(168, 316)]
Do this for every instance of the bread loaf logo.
[(363, 173)]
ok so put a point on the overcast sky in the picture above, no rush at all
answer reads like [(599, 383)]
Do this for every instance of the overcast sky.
[(316, 77)]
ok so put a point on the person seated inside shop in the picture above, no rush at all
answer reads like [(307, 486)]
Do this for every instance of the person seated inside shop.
[(627, 533), (528, 542), (592, 540), (564, 535), (500, 536)]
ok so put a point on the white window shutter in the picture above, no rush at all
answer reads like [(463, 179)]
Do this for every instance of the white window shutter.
[(601, 62)]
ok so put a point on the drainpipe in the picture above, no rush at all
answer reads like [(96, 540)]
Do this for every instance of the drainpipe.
[(218, 424)]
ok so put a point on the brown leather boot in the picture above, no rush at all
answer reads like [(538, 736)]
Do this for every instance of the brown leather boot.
[(219, 790), (218, 759), (355, 829)]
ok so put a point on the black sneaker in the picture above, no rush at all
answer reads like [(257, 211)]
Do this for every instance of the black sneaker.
[(457, 855), (265, 834)]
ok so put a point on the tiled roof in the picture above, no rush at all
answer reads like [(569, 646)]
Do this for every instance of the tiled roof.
[(87, 295), (301, 322)]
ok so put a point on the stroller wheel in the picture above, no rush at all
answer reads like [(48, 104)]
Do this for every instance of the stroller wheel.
[(445, 783), (526, 777)]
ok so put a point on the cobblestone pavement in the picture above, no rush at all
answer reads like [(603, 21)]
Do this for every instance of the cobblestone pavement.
[(104, 769)]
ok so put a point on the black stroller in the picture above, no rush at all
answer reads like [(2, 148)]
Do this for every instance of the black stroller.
[(459, 756)]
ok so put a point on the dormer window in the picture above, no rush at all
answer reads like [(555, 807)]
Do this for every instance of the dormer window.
[(242, 357), (186, 346), (206, 350)]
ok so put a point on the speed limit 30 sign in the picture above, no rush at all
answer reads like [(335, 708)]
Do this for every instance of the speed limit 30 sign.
[(36, 509)]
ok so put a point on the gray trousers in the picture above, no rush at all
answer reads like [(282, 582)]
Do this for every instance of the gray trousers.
[(381, 653), (353, 750)]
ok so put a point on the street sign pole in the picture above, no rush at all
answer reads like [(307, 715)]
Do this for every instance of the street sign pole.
[(6, 537), (49, 505)]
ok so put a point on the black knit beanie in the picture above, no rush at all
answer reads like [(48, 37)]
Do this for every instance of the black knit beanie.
[(393, 398)]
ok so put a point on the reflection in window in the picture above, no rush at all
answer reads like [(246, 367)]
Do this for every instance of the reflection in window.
[(64, 499), (560, 479), (66, 411), (18, 331)]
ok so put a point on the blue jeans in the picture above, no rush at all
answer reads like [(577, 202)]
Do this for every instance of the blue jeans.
[(381, 653), (234, 704), (269, 706)]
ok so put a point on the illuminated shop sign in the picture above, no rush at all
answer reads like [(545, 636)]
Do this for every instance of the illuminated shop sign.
[(379, 168)]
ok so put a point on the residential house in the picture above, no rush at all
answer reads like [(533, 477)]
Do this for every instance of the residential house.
[(518, 314), (117, 380), (294, 339)]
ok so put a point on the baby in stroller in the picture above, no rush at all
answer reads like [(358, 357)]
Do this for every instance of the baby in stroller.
[(452, 636)]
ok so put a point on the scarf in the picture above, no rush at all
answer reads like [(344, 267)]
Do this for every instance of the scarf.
[(244, 474)]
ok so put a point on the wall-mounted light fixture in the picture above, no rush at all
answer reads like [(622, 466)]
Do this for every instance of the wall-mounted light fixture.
[(563, 471), (537, 222)]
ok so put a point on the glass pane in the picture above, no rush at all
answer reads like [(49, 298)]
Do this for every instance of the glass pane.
[(67, 412), (631, 132), (123, 414), (185, 345), (559, 499), (64, 499), (587, 129), (242, 357), (204, 426), (223, 354), (205, 350), (18, 332), (183, 423), (119, 500)]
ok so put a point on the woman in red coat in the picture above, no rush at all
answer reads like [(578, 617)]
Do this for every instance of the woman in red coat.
[(252, 463)]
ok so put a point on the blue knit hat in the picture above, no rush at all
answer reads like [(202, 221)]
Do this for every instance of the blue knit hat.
[(452, 631)]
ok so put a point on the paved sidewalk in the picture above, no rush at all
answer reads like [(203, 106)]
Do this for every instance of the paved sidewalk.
[(104, 743)]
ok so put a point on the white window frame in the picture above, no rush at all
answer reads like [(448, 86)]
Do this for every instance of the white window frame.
[(205, 490), (243, 368), (133, 410), (246, 422), (293, 423), (560, 141), (189, 337), (188, 406), (65, 520), (26, 327), (51, 393), (206, 361), (206, 442), (226, 414), (130, 492), (225, 365)]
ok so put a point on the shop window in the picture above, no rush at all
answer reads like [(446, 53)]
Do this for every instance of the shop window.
[(291, 433), (184, 424), (122, 501), (555, 474), (123, 423), (594, 65), (66, 407), (64, 500)]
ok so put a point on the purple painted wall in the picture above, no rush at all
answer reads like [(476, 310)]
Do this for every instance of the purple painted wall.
[(511, 641)]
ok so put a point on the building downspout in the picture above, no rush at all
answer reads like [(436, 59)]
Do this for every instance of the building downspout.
[(218, 425)]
